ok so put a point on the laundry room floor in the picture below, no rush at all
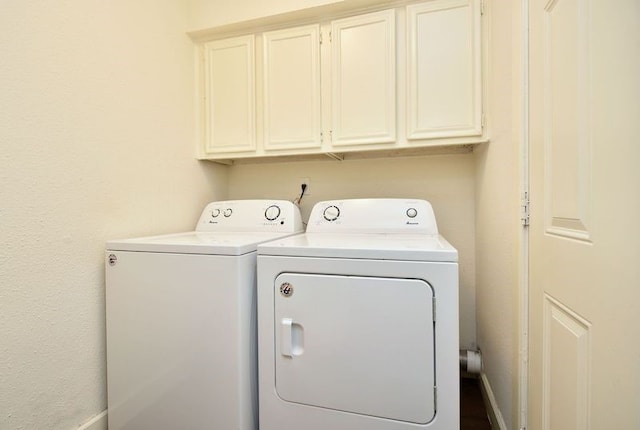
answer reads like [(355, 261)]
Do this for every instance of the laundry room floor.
[(473, 413)]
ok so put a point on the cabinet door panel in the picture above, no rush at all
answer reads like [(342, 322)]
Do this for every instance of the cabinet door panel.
[(363, 79), (444, 69), (229, 120), (292, 88)]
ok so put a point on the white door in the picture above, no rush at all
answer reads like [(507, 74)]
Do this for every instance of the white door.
[(585, 244), (363, 345)]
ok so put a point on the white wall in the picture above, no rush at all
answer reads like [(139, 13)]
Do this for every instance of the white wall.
[(96, 138), (498, 212), (447, 181)]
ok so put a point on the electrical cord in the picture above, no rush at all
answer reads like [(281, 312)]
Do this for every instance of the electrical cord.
[(299, 199)]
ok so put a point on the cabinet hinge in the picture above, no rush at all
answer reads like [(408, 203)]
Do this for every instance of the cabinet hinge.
[(524, 209), (321, 137), (481, 7), (330, 135), (322, 37), (483, 120)]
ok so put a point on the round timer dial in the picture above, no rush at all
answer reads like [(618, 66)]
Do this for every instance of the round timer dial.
[(272, 212), (331, 213)]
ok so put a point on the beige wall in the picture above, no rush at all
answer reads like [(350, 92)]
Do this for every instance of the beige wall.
[(447, 181), (96, 138), (498, 212), (96, 132)]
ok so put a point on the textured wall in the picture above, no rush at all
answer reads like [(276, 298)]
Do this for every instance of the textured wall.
[(447, 181), (96, 138), (96, 120)]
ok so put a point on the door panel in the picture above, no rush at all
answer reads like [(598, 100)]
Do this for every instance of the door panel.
[(584, 247), (363, 79), (567, 161), (566, 358), (292, 88), (356, 344), (443, 91), (230, 95)]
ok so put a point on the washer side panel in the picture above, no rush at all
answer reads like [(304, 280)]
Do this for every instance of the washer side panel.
[(178, 341)]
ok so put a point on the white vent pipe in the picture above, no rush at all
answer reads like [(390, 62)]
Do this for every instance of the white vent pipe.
[(470, 361)]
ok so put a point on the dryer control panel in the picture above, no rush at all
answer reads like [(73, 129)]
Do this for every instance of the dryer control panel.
[(251, 216), (373, 216)]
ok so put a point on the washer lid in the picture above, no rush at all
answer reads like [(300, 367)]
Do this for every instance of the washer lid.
[(196, 242), (411, 247)]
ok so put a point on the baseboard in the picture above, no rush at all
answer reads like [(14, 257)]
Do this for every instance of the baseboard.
[(497, 422), (99, 422)]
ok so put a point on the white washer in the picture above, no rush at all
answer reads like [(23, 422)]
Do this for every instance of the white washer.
[(181, 323), (358, 321)]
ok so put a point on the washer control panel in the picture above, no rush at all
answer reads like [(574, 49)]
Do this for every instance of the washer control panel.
[(250, 215), (373, 216)]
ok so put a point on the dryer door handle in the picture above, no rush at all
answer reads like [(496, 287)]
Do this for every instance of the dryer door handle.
[(291, 338), (285, 336)]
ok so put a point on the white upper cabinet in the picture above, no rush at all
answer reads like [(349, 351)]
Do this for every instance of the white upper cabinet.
[(395, 79), (229, 96), (363, 79), (291, 94), (444, 87)]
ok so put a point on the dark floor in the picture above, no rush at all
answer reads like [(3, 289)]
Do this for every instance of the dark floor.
[(473, 413)]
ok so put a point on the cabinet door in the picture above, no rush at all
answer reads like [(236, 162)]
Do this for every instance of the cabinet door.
[(444, 69), (363, 79), (291, 70), (229, 87)]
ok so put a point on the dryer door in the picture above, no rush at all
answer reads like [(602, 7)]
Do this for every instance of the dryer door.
[(363, 345)]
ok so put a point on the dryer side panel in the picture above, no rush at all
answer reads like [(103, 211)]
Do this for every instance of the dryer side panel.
[(356, 344)]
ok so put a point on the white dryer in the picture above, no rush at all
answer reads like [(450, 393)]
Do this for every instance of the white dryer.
[(358, 321), (181, 322)]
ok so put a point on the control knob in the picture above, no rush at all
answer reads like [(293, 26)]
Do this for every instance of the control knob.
[(331, 213), (215, 213), (412, 212), (272, 212), (227, 212)]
